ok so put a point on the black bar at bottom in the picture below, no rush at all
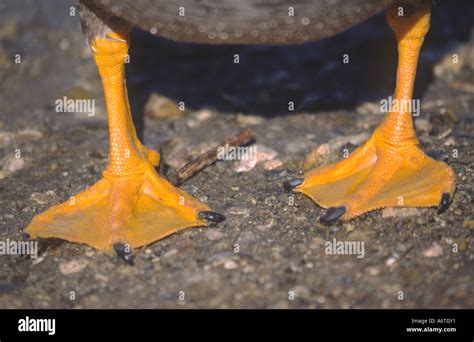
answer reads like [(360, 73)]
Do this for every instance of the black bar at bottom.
[(119, 325)]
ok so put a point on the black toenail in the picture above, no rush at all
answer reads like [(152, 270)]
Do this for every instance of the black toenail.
[(332, 215), (290, 184), (211, 216), (123, 252), (438, 155), (445, 202)]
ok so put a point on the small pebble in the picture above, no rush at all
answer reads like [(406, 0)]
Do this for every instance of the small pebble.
[(203, 115), (272, 164), (41, 198), (14, 164), (462, 244), (73, 266), (171, 252), (434, 251), (449, 142), (263, 153), (161, 107), (423, 125), (373, 270), (248, 120), (230, 265), (101, 277), (390, 261), (314, 156), (468, 223), (213, 235)]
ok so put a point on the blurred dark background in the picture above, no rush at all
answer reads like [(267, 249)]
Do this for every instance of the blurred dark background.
[(312, 75), (55, 59)]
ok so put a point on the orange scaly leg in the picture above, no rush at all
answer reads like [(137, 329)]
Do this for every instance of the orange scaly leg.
[(131, 205), (390, 169)]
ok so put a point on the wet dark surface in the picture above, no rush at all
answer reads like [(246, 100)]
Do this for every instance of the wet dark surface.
[(281, 243)]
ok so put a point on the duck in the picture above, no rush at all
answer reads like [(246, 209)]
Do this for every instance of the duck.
[(132, 205)]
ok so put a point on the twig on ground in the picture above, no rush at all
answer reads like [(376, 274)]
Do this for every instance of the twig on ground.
[(179, 176)]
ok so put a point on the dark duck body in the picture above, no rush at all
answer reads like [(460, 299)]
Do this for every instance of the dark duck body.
[(132, 205), (232, 21)]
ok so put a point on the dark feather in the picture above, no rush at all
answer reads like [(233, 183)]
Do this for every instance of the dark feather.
[(233, 21)]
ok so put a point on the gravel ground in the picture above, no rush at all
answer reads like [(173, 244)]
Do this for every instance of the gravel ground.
[(270, 252)]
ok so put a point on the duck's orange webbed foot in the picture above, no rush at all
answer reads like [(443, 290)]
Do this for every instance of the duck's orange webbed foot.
[(133, 210), (390, 169), (375, 176), (131, 205)]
